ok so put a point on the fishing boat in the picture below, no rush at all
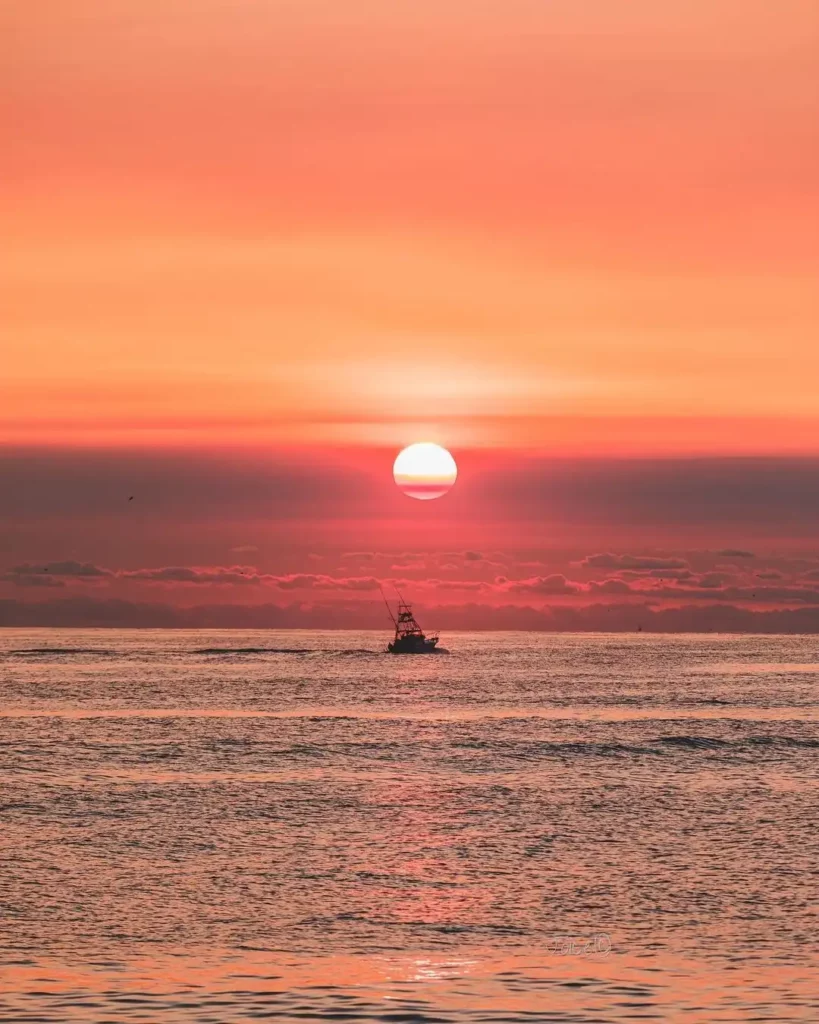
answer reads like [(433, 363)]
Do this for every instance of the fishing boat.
[(409, 637)]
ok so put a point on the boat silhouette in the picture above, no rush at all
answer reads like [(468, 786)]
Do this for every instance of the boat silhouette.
[(409, 637)]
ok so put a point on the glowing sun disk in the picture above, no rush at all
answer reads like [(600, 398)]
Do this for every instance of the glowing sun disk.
[(424, 470)]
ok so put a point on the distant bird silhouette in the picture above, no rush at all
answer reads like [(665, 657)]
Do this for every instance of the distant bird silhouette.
[(131, 498)]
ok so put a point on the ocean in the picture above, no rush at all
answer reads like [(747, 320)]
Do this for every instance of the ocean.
[(213, 826)]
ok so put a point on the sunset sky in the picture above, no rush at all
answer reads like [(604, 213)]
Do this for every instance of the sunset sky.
[(254, 248)]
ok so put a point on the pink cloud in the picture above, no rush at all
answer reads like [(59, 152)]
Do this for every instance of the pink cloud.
[(553, 584), (630, 586), (312, 581)]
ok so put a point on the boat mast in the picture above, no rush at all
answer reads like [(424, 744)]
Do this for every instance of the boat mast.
[(405, 617)]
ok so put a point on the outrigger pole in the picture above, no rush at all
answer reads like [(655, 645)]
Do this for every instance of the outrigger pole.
[(387, 603)]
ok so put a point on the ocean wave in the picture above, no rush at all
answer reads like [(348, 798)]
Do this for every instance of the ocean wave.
[(782, 741), (657, 747), (254, 650), (23, 652), (711, 743), (694, 742), (546, 747), (347, 652)]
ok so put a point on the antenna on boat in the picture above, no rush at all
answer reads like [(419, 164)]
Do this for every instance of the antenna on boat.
[(387, 603)]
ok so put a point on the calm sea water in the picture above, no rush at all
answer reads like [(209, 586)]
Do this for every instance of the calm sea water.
[(228, 826)]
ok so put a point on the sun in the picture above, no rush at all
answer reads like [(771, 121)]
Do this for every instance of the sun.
[(424, 470)]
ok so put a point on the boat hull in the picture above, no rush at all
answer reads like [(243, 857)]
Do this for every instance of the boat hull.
[(413, 645)]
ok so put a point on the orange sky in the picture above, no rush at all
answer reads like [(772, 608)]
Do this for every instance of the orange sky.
[(254, 247), (568, 226)]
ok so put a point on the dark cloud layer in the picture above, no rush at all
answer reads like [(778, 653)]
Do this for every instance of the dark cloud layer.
[(636, 562), (86, 611), (72, 570), (238, 575), (25, 580), (53, 574), (60, 484), (726, 494)]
